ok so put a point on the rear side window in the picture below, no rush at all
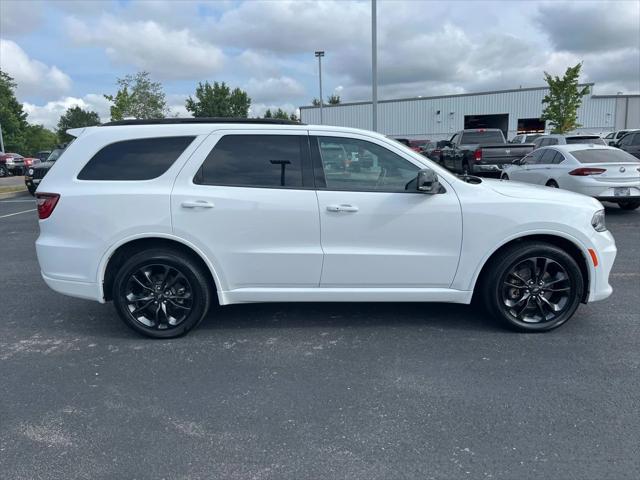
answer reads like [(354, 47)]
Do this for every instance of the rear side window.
[(547, 156), (140, 159), (254, 161)]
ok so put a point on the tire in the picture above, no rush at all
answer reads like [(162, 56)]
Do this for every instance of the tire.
[(629, 205), (552, 184), (167, 312), (518, 305), (32, 191), (504, 177), (3, 171), (466, 170)]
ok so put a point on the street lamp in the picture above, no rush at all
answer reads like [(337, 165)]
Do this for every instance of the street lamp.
[(320, 54)]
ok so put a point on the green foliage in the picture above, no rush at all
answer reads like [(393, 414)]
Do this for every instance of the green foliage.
[(333, 99), (38, 138), (138, 97), (281, 114), (315, 102), (218, 100), (268, 113), (12, 117), (294, 118), (563, 100), (75, 117)]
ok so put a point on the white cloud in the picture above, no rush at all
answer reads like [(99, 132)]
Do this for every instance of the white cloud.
[(32, 76), (164, 52), (273, 89), (19, 17), (49, 113)]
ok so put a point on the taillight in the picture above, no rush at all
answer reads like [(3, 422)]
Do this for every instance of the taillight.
[(46, 203), (477, 155), (585, 172)]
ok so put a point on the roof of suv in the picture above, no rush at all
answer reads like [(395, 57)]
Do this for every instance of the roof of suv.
[(180, 121)]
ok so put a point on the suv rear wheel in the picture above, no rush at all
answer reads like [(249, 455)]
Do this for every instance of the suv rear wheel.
[(533, 287), (161, 293)]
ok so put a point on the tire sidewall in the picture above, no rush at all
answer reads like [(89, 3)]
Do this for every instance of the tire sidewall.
[(200, 290), (508, 261)]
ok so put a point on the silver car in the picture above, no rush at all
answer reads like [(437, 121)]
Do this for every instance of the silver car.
[(606, 173)]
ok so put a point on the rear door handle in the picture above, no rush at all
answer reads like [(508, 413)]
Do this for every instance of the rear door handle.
[(197, 204), (342, 208)]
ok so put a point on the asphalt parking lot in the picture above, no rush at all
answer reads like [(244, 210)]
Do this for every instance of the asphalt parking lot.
[(357, 391)]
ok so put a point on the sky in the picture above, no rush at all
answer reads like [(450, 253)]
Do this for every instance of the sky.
[(70, 52)]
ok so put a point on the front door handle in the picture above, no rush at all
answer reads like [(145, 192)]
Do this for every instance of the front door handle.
[(197, 204), (342, 208)]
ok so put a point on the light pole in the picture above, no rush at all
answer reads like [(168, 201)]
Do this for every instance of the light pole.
[(320, 54), (374, 68), (1, 141)]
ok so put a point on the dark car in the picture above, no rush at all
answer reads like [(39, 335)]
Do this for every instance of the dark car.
[(34, 175), (11, 164), (630, 143), (433, 150)]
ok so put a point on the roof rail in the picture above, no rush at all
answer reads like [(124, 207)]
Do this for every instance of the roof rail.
[(174, 121)]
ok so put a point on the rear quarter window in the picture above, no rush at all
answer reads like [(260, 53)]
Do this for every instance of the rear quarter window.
[(139, 159), (593, 140)]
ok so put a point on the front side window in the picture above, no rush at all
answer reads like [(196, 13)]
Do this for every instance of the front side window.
[(359, 165), (254, 161), (533, 158), (140, 159)]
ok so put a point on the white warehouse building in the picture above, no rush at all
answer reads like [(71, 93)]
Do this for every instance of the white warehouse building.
[(513, 111)]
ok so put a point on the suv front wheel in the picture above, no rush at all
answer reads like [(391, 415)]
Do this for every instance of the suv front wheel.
[(161, 293), (533, 287)]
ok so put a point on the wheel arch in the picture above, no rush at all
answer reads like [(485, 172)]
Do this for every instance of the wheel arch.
[(118, 254), (572, 247)]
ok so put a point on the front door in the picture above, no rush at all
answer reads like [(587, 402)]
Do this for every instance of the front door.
[(374, 232), (246, 198)]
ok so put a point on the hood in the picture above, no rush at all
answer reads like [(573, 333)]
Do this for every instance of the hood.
[(509, 188)]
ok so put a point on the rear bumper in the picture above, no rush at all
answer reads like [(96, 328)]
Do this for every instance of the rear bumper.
[(87, 291)]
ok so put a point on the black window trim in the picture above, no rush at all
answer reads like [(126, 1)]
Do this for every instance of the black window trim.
[(305, 163), (318, 170), (128, 139)]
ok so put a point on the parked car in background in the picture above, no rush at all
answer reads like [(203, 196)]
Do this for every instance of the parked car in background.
[(43, 155), (34, 175), (30, 162), (557, 139), (630, 143), (11, 164), (417, 145), (482, 150), (404, 141), (164, 218), (613, 137), (525, 137), (433, 150), (602, 172)]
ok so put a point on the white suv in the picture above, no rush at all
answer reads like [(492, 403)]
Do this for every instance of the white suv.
[(163, 217)]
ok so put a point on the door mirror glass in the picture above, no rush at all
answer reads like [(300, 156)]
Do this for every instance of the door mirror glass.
[(428, 182)]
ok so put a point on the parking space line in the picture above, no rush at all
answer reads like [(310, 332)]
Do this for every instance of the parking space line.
[(17, 201), (18, 213)]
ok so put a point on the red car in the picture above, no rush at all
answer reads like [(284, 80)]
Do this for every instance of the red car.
[(11, 164)]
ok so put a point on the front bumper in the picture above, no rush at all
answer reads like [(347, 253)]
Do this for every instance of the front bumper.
[(605, 248)]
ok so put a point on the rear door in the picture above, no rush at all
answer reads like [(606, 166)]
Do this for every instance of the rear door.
[(375, 232), (246, 199)]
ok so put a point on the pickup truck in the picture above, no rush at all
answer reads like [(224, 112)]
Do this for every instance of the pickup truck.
[(481, 150)]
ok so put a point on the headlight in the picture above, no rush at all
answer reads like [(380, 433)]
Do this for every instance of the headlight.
[(9, 161), (598, 221), (30, 172)]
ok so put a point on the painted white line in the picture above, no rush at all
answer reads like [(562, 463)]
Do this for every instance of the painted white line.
[(18, 213), (17, 201)]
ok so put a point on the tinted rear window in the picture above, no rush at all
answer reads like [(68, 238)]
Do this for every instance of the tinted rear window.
[(254, 161), (600, 155), (481, 137), (140, 159), (584, 139)]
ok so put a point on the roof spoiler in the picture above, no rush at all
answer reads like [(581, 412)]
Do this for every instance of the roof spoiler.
[(76, 132)]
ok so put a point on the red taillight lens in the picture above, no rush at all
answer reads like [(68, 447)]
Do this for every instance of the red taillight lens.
[(46, 203), (585, 172), (477, 155)]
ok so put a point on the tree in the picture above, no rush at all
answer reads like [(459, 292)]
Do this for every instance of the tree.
[(268, 113), (294, 118), (218, 100), (138, 97), (563, 100), (75, 117), (281, 114), (38, 138), (315, 102), (333, 99), (12, 117)]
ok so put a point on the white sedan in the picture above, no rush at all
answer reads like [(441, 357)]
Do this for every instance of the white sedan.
[(606, 173)]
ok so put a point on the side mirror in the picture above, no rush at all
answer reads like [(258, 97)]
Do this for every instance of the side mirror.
[(427, 182), (613, 143), (517, 161)]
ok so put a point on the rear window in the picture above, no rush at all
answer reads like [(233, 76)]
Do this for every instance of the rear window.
[(255, 161), (531, 138), (481, 137), (584, 139), (140, 159), (600, 155)]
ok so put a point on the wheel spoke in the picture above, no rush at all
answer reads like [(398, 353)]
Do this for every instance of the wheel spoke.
[(519, 287), (540, 306), (518, 277), (553, 282), (177, 305), (137, 280), (553, 306), (143, 307), (543, 270)]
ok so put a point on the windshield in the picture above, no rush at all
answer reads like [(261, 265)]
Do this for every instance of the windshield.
[(55, 155), (584, 139), (601, 155), (481, 137)]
